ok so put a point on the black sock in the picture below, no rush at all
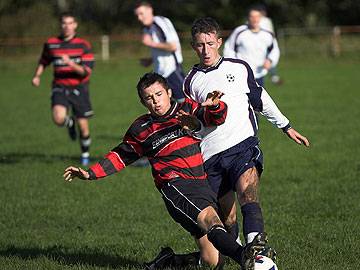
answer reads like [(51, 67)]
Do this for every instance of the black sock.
[(225, 243), (69, 121), (252, 219), (85, 142), (233, 230)]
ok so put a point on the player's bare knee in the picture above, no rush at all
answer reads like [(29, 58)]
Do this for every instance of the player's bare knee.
[(59, 119), (207, 218)]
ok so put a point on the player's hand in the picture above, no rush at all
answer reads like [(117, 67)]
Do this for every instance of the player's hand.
[(35, 81), (212, 98), (187, 121), (66, 59), (147, 40), (73, 172), (267, 64), (145, 62), (297, 137)]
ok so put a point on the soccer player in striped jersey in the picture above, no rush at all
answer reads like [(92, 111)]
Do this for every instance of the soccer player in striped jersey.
[(257, 46), (73, 61), (160, 36), (233, 159), (165, 138)]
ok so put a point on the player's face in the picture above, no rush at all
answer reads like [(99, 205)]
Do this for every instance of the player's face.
[(68, 26), (206, 46), (254, 18), (144, 15), (156, 99)]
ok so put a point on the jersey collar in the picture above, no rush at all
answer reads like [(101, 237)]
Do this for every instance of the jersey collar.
[(206, 70)]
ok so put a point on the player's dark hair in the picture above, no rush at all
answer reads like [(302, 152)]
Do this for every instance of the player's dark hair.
[(205, 25), (65, 15), (257, 7), (141, 4), (149, 79)]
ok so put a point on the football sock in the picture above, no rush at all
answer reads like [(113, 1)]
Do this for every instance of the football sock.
[(69, 121), (225, 243), (253, 222), (85, 143), (233, 229)]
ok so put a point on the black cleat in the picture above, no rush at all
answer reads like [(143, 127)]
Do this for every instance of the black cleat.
[(251, 250), (269, 252), (163, 259), (72, 130)]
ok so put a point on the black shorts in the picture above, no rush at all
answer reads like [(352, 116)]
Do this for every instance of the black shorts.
[(225, 168), (75, 98), (185, 199), (175, 81)]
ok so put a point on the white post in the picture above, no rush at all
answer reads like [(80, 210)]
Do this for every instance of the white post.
[(105, 47), (336, 48)]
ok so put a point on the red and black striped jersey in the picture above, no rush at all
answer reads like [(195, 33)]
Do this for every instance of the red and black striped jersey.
[(172, 152), (79, 51)]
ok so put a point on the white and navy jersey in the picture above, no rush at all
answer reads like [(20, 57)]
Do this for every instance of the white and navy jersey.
[(253, 47), (162, 30), (243, 96)]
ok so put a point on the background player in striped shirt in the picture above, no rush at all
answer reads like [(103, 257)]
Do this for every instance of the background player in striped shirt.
[(233, 159), (160, 36), (257, 46), (177, 164), (73, 61)]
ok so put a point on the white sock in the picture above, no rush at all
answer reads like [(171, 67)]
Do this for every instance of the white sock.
[(250, 237)]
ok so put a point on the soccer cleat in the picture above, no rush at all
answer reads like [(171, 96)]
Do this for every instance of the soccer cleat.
[(162, 260), (72, 130), (269, 252), (251, 250)]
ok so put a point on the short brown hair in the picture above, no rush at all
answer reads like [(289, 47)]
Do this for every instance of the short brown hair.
[(205, 25)]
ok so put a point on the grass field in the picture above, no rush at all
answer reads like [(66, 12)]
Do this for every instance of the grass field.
[(310, 197)]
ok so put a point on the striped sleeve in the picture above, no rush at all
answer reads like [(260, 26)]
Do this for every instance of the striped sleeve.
[(87, 58), (117, 159), (45, 58)]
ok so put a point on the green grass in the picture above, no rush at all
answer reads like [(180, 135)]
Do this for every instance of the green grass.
[(310, 197)]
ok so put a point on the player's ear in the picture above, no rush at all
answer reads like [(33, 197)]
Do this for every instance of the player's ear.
[(169, 92), (219, 42)]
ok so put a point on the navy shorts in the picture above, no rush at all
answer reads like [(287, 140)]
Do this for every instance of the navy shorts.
[(185, 199), (225, 168), (175, 81), (75, 98)]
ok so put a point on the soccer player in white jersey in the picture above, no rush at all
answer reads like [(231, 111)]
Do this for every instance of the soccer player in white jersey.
[(233, 159), (160, 36), (258, 47)]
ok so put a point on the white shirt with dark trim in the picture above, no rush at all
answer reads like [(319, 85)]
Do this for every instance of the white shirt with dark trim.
[(253, 47), (242, 95), (162, 30)]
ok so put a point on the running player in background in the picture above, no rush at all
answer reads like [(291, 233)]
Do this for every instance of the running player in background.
[(73, 61), (177, 164), (160, 36), (256, 46)]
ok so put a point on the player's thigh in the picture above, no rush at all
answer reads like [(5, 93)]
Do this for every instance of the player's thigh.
[(79, 99), (59, 113), (59, 104), (209, 254)]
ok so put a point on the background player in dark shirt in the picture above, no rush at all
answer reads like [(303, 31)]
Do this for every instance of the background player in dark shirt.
[(73, 61), (177, 164)]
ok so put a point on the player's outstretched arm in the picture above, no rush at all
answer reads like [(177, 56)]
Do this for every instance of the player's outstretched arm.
[(297, 137), (73, 172)]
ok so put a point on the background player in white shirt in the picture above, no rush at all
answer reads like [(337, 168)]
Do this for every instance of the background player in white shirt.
[(256, 46), (233, 159), (160, 36)]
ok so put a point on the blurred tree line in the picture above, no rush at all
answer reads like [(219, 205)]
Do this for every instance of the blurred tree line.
[(21, 18)]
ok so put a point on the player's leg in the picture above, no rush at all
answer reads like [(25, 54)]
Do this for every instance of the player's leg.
[(85, 140), (81, 105), (247, 192), (60, 105)]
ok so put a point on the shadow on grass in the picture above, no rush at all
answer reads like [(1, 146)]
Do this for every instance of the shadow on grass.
[(61, 256), (12, 158)]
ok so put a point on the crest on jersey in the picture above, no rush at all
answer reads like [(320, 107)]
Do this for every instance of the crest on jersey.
[(230, 77)]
